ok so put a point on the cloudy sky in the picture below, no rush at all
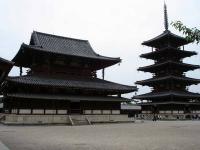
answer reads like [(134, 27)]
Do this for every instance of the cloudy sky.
[(115, 28)]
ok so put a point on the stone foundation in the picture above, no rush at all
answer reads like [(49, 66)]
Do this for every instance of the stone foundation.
[(62, 119), (169, 116)]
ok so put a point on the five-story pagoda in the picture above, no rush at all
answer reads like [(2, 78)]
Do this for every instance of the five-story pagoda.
[(170, 97)]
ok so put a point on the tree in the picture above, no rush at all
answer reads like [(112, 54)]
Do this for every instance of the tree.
[(192, 34)]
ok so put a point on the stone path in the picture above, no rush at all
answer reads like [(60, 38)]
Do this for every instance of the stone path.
[(161, 135), (3, 147)]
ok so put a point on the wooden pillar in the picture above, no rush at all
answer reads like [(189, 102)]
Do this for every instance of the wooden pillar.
[(103, 73), (21, 71), (119, 95)]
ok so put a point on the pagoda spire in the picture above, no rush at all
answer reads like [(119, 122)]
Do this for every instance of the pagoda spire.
[(165, 17)]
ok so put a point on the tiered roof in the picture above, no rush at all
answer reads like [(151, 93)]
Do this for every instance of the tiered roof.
[(170, 63), (168, 51), (161, 39), (168, 95), (169, 78), (168, 69), (57, 52)]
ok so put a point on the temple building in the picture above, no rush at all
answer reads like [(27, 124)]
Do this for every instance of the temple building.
[(61, 79), (169, 97)]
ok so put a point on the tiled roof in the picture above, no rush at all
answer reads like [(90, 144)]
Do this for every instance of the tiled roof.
[(2, 60), (180, 65), (167, 94), (168, 51), (84, 83), (166, 35), (67, 97), (157, 80), (58, 46), (64, 45)]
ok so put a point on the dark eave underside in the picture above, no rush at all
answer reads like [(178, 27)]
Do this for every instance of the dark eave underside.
[(157, 80), (26, 52), (84, 83), (4, 61), (168, 50), (67, 97), (167, 94), (179, 65), (167, 103), (166, 35)]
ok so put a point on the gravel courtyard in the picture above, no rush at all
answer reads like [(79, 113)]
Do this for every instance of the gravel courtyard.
[(162, 135)]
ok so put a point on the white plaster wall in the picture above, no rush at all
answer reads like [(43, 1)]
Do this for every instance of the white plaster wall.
[(106, 111), (62, 111), (47, 111), (96, 111), (115, 111), (87, 111), (24, 111), (180, 112), (38, 111), (14, 111)]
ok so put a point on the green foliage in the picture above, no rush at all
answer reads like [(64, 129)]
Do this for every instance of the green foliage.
[(192, 34)]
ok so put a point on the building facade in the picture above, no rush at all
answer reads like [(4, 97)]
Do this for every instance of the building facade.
[(61, 79)]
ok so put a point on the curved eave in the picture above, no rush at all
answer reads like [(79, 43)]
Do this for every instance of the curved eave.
[(183, 80), (169, 94), (24, 57), (6, 62), (67, 97), (166, 36), (168, 50), (91, 85), (5, 67), (183, 66)]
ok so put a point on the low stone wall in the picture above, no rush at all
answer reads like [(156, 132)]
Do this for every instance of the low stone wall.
[(63, 119), (36, 119), (109, 118)]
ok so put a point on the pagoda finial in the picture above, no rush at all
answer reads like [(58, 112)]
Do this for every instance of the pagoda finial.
[(165, 16)]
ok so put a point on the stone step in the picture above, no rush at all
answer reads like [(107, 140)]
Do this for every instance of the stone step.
[(80, 122)]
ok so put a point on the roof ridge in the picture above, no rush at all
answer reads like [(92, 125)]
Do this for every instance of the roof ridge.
[(58, 36)]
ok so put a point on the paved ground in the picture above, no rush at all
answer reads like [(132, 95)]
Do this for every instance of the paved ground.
[(163, 135)]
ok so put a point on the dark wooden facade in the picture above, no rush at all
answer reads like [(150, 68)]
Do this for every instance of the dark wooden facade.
[(61, 79), (169, 83), (5, 67)]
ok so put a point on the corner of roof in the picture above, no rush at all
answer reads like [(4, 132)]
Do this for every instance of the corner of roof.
[(6, 61), (34, 37)]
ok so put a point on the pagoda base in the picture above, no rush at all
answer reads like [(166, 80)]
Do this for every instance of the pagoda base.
[(169, 116), (12, 119)]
